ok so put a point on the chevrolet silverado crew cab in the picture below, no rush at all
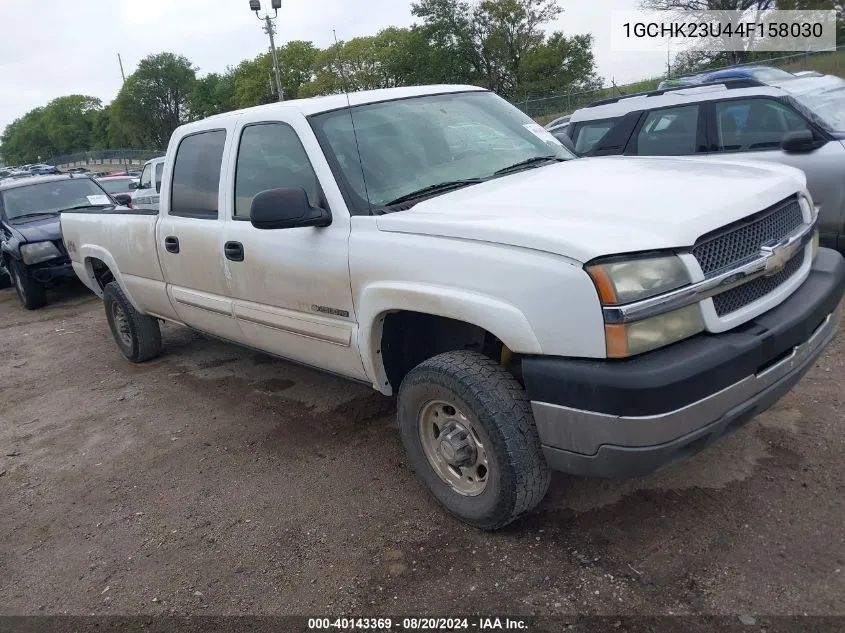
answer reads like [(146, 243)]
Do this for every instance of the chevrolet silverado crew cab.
[(530, 311)]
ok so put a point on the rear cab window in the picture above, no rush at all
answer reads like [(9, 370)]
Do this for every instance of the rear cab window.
[(195, 184)]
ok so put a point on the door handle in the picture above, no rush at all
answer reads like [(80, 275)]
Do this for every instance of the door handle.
[(234, 251), (171, 244)]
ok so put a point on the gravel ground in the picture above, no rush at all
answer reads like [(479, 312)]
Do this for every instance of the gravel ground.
[(215, 480)]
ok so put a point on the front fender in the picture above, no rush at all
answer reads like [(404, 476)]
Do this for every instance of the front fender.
[(504, 321)]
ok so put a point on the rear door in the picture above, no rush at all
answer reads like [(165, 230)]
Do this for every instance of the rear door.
[(190, 234), (672, 131), (291, 287)]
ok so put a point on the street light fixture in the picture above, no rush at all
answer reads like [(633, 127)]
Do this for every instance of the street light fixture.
[(270, 29)]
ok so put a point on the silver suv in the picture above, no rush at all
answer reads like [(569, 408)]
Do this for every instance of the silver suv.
[(800, 122)]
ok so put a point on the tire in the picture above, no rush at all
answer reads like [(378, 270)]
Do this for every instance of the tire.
[(5, 277), (32, 294), (481, 403), (137, 335)]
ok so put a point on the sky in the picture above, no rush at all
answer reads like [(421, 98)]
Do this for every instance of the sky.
[(51, 48)]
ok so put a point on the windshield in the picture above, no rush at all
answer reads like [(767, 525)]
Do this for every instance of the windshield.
[(410, 144), (827, 103), (51, 197), (118, 185)]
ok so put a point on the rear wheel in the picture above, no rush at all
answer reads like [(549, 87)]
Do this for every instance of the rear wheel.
[(467, 426), (32, 294), (137, 335)]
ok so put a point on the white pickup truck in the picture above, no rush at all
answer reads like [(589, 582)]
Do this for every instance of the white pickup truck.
[(531, 312)]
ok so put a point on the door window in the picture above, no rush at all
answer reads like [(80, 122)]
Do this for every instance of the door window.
[(588, 134), (146, 178), (271, 156), (196, 175), (754, 124), (669, 132)]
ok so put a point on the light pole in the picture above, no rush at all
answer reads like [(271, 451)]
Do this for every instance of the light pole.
[(270, 29)]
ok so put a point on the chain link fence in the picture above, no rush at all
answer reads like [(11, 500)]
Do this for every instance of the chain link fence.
[(544, 109), (123, 157)]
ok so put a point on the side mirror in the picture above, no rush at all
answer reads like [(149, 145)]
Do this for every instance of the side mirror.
[(123, 199), (800, 141), (286, 208), (134, 185)]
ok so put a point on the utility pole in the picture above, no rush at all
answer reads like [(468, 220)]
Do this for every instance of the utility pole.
[(270, 29), (122, 74)]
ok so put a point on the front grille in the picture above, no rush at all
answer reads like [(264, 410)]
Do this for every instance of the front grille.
[(736, 298), (730, 245)]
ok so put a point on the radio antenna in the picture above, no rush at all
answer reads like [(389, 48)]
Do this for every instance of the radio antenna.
[(352, 119)]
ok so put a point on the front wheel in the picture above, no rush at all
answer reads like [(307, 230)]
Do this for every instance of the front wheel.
[(5, 277), (137, 335), (467, 426), (32, 294)]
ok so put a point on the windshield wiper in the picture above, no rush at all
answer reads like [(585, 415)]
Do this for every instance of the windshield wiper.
[(529, 162), (34, 215), (86, 206), (440, 187)]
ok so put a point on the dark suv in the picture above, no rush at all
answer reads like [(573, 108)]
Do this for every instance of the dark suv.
[(32, 252)]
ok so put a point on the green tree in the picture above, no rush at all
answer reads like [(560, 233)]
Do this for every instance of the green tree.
[(69, 122), (212, 94), (26, 138), (155, 100), (501, 45), (559, 63)]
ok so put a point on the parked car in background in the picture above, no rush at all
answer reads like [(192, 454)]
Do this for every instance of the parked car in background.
[(31, 247), (763, 74), (43, 170), (559, 126), (800, 123), (120, 187), (148, 188), (531, 312)]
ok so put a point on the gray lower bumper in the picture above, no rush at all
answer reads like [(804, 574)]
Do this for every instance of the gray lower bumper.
[(589, 443)]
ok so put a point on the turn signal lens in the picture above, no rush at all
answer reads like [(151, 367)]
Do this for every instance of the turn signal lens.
[(627, 339)]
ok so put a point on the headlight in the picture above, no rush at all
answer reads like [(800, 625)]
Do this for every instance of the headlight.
[(634, 279), (628, 339), (623, 281), (39, 252)]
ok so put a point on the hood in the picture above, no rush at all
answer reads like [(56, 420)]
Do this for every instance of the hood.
[(38, 230), (590, 207)]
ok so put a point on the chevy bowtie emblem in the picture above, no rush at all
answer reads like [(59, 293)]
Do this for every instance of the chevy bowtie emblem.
[(778, 255)]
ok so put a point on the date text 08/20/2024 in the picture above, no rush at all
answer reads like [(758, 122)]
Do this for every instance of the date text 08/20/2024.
[(418, 624)]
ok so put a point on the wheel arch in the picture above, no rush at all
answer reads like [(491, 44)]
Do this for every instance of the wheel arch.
[(457, 317)]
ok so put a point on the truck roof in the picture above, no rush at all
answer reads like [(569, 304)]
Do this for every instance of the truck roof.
[(315, 105)]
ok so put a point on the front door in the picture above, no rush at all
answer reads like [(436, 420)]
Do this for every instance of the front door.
[(291, 287), (752, 129)]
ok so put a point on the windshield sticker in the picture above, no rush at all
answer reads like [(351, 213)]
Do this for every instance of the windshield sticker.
[(98, 199), (542, 133)]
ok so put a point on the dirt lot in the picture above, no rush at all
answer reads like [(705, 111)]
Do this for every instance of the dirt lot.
[(217, 481)]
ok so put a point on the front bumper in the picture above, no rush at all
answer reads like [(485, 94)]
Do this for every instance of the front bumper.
[(630, 417), (51, 271)]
